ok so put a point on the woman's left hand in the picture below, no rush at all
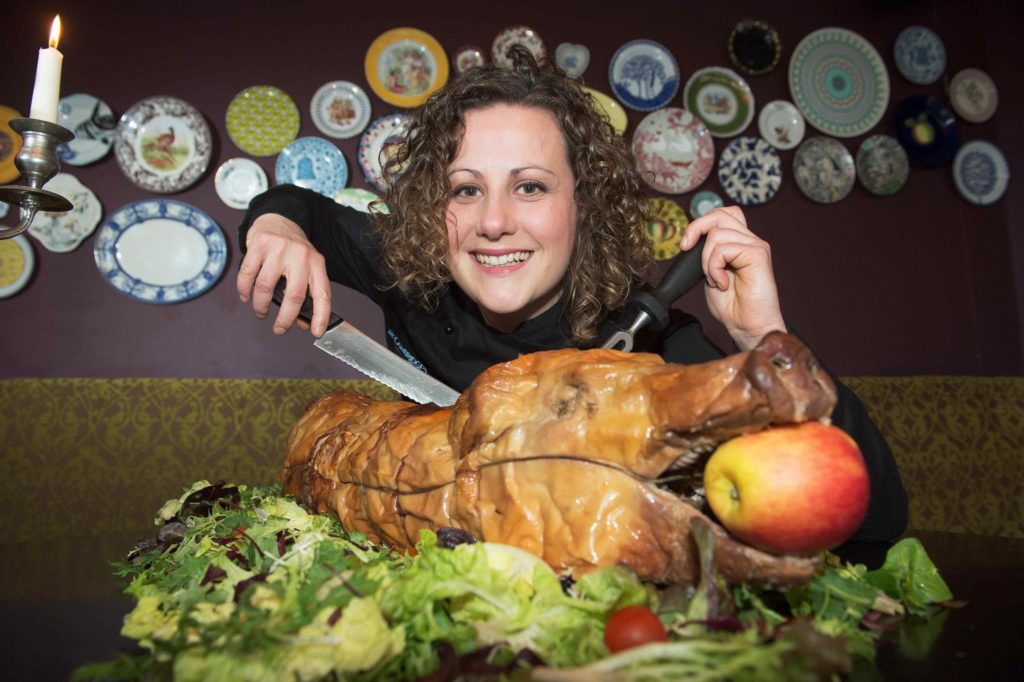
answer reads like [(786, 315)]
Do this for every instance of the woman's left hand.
[(741, 292)]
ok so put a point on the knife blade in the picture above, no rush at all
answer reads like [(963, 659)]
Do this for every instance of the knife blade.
[(346, 343), (682, 275)]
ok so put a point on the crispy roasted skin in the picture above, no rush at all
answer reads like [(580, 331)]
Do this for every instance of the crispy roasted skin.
[(557, 452)]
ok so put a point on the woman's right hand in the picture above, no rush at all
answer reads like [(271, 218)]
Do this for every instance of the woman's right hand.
[(276, 247)]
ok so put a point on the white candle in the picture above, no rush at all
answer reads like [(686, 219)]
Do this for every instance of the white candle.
[(47, 88)]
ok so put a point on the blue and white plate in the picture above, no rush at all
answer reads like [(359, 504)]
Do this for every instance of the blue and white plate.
[(313, 163), (704, 201), (94, 125), (340, 109), (750, 171), (160, 251), (644, 75), (980, 172), (572, 58), (919, 54), (375, 145)]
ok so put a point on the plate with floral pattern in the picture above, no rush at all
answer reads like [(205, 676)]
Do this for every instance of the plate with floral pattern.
[(882, 165), (62, 232), (839, 82), (375, 143), (980, 172), (673, 149), (824, 170), (312, 163), (516, 35), (160, 251), (644, 75), (262, 120), (163, 144), (666, 226), (721, 98), (974, 95), (405, 66), (919, 54), (781, 124), (94, 125), (750, 171), (340, 109), (467, 57)]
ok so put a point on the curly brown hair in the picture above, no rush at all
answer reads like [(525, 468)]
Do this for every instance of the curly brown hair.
[(612, 252)]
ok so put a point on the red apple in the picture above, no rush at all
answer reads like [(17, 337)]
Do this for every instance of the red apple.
[(789, 490)]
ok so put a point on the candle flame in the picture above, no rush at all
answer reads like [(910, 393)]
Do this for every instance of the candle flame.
[(55, 31)]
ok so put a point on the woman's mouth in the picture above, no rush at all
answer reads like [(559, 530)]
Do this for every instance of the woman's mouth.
[(504, 259)]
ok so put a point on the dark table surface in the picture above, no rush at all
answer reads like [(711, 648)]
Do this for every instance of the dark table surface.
[(60, 606)]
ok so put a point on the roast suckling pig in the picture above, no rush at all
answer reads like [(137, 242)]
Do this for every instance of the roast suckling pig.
[(559, 452)]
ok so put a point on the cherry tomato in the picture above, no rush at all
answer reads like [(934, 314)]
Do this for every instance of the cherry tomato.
[(632, 626)]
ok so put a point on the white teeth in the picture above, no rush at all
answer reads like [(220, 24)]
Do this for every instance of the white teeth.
[(504, 259)]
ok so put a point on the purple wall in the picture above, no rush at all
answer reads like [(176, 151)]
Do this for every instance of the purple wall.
[(920, 282)]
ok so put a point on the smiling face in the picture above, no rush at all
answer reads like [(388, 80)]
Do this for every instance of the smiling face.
[(511, 218)]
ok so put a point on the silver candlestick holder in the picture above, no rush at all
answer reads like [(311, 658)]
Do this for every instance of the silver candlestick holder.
[(37, 162)]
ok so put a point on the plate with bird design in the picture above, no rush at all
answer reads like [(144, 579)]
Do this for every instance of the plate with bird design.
[(163, 144)]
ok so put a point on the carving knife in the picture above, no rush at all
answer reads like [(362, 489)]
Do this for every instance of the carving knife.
[(348, 344), (682, 275)]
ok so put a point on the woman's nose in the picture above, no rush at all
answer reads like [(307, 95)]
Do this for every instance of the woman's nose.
[(495, 220)]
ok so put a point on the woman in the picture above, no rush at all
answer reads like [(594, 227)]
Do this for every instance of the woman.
[(516, 224)]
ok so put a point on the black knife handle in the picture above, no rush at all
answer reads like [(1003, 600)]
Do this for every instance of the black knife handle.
[(306, 311), (684, 274)]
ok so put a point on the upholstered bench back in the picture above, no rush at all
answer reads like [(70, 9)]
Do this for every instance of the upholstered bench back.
[(96, 456)]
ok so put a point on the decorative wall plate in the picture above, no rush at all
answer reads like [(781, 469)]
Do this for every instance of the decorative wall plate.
[(340, 109), (666, 227), (754, 47), (839, 82), (980, 172), (644, 75), (674, 151), (10, 145), (721, 98), (517, 35), (262, 120), (382, 133), (163, 144), (882, 165), (610, 108), (238, 180), (404, 66), (572, 58), (94, 125), (63, 232), (781, 124), (17, 263), (360, 199), (974, 95), (750, 171), (704, 201), (160, 251), (467, 57), (313, 163), (824, 170), (919, 54), (926, 127)]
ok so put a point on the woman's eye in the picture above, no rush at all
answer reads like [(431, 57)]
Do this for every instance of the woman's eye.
[(531, 188), (466, 191)]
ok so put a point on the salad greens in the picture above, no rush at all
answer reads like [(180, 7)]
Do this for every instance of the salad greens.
[(244, 584)]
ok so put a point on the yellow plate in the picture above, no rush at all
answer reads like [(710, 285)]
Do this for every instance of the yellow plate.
[(668, 222), (404, 66), (262, 120), (10, 145), (612, 109)]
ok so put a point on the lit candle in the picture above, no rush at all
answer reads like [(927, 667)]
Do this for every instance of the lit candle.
[(47, 88)]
